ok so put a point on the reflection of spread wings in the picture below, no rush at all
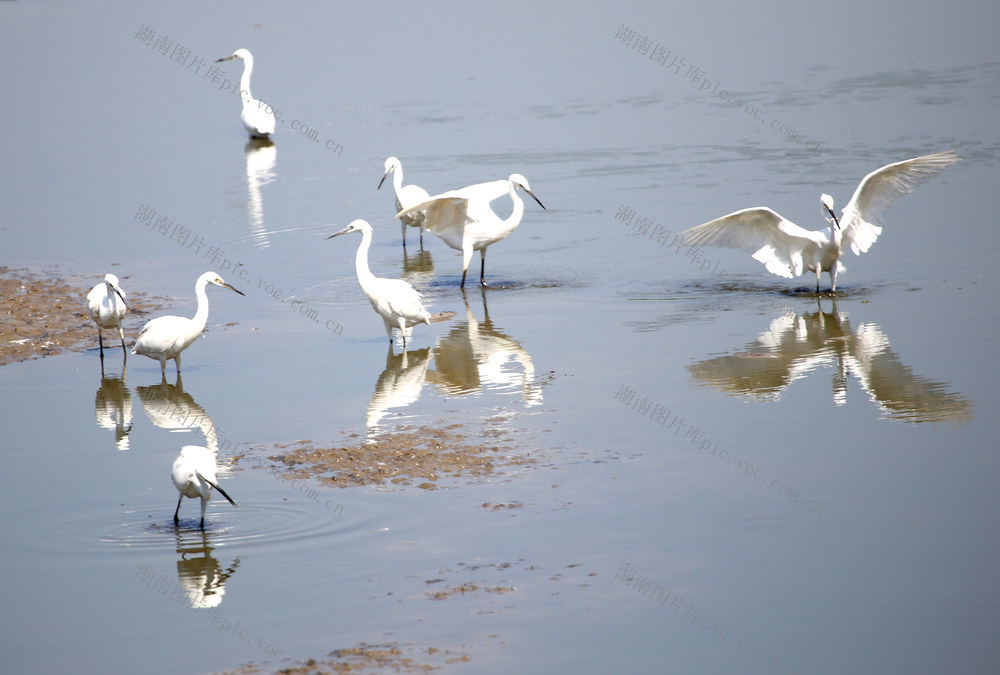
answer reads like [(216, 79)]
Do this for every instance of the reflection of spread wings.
[(895, 389), (795, 345)]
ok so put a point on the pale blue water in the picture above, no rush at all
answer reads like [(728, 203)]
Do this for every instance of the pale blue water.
[(787, 486)]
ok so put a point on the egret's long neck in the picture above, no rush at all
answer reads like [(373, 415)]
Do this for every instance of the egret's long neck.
[(361, 258), (201, 316), (245, 78), (397, 179), (514, 219)]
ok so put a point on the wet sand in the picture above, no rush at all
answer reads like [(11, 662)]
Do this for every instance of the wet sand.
[(366, 658), (422, 456), (46, 315)]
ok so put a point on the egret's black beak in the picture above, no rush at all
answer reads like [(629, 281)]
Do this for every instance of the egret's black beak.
[(535, 198), (833, 215), (233, 289), (383, 180)]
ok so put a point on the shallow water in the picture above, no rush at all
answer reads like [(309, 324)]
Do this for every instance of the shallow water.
[(787, 482)]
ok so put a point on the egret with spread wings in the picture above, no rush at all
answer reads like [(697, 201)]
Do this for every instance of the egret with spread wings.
[(788, 250), (466, 222)]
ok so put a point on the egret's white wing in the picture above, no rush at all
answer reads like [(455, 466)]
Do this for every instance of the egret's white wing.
[(411, 195), (446, 215), (258, 117), (395, 297), (771, 239), (880, 189)]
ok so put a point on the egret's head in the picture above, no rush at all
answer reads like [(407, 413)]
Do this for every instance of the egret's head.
[(112, 281), (827, 202), (241, 54), (519, 181), (213, 278), (391, 164), (358, 225)]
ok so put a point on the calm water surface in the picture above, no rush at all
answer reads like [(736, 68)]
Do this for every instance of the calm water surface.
[(732, 474)]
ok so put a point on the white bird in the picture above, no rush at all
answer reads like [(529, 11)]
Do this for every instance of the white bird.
[(788, 250), (258, 116), (193, 475), (406, 196), (106, 304), (396, 301), (165, 337), (464, 220)]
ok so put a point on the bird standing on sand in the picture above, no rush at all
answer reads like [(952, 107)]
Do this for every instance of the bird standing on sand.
[(106, 304)]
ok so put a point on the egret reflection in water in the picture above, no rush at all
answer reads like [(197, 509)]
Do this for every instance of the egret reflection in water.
[(473, 356), (113, 406), (200, 574), (261, 154), (400, 383), (170, 407), (418, 268), (796, 344)]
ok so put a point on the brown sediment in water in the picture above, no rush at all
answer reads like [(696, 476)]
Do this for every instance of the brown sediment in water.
[(366, 658), (45, 315), (421, 455)]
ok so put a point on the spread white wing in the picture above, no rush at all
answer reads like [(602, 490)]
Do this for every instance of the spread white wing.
[(778, 243), (879, 190)]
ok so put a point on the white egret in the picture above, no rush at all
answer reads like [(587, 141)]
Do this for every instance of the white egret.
[(788, 250), (258, 116), (406, 196), (464, 220), (193, 475), (106, 304), (165, 337), (396, 301)]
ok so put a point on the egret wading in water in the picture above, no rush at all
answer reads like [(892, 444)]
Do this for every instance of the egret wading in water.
[(466, 222), (396, 301), (257, 116), (106, 304), (406, 196), (193, 475), (788, 250), (165, 337)]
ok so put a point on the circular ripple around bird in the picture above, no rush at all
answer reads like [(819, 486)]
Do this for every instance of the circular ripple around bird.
[(264, 523)]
